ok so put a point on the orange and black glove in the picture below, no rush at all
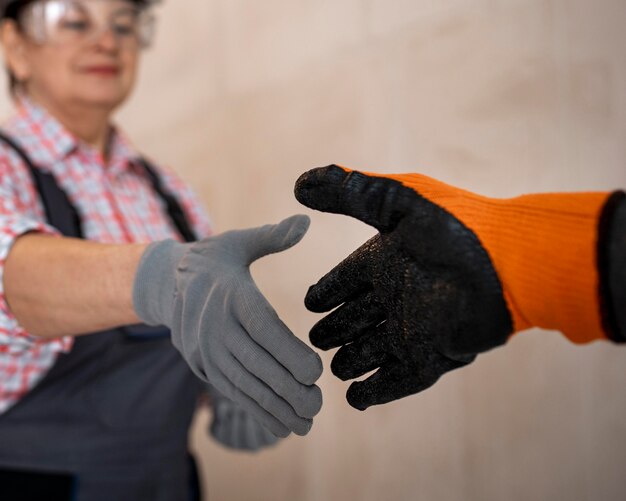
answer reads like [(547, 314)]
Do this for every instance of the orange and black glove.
[(452, 274)]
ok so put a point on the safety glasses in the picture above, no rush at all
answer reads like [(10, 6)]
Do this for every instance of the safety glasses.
[(77, 22)]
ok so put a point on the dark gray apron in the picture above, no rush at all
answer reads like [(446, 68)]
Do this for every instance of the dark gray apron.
[(109, 421)]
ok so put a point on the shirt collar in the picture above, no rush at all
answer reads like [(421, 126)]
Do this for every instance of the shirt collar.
[(122, 153), (48, 142)]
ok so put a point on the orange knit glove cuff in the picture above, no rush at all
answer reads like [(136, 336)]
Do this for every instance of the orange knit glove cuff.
[(543, 247)]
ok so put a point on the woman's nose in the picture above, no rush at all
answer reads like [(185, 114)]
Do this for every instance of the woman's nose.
[(107, 40)]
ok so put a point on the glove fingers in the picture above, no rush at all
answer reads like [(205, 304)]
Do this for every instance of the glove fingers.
[(305, 400), (264, 395), (267, 437), (347, 323), (217, 426), (224, 429), (256, 436), (222, 414), (272, 238), (249, 436), (360, 357), (235, 428), (373, 200), (397, 380), (385, 385), (264, 326), (247, 403), (348, 279)]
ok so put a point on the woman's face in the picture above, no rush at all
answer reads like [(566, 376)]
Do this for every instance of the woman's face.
[(85, 55)]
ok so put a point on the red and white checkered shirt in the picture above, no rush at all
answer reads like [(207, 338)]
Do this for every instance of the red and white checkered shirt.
[(117, 204)]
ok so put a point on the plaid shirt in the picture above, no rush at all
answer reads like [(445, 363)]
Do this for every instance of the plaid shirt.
[(117, 204)]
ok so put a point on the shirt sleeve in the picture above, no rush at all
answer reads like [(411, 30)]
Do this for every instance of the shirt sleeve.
[(192, 206), (20, 213)]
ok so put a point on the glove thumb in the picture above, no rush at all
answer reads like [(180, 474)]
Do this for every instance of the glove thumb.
[(273, 238), (371, 198)]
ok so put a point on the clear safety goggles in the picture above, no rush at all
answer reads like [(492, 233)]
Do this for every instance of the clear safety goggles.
[(67, 22)]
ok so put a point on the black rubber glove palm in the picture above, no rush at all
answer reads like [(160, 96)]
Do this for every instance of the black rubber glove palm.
[(419, 299)]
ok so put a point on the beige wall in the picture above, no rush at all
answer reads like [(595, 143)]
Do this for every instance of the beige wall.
[(498, 96)]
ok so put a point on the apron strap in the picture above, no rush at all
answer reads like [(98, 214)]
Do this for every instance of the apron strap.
[(174, 209), (52, 196), (59, 211)]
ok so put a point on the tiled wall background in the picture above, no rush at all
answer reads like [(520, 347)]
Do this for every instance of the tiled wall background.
[(498, 96)]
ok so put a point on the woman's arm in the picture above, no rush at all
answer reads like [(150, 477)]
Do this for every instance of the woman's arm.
[(225, 329), (64, 286)]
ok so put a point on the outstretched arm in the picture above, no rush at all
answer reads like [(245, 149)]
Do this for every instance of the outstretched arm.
[(59, 286), (225, 329), (452, 274)]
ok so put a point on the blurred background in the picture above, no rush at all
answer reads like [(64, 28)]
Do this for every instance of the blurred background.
[(500, 97)]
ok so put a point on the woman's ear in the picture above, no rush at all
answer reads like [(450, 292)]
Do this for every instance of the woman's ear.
[(14, 45)]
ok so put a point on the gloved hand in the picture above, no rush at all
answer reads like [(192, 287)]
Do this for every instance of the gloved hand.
[(235, 428), (450, 275), (224, 327)]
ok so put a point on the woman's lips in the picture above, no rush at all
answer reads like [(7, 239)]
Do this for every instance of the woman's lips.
[(102, 70)]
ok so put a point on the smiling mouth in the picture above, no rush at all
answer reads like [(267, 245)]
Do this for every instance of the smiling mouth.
[(103, 71)]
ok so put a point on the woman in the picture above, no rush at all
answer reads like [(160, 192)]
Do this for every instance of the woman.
[(90, 410)]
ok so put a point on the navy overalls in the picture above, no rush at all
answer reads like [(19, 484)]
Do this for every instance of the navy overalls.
[(109, 421)]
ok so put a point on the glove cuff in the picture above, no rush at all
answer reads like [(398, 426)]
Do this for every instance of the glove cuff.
[(612, 266), (546, 251), (544, 248), (154, 286)]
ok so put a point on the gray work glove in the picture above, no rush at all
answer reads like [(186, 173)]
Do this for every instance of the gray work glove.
[(236, 428), (225, 329)]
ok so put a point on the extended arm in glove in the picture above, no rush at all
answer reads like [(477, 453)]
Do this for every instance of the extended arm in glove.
[(452, 274)]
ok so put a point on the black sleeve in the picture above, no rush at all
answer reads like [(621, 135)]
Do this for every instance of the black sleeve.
[(612, 266)]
